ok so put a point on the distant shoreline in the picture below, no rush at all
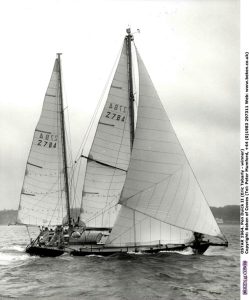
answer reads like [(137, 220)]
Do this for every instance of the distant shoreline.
[(230, 214)]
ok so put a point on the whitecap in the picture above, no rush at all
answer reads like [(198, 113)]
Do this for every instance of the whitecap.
[(94, 255), (187, 251), (137, 253), (6, 258), (13, 248)]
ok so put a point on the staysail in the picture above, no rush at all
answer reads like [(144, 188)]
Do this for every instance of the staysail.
[(160, 194), (109, 156), (43, 195)]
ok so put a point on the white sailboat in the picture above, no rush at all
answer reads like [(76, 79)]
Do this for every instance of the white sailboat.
[(139, 191), (138, 181)]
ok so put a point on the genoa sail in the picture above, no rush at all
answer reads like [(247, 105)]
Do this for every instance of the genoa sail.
[(109, 156), (43, 195), (160, 194)]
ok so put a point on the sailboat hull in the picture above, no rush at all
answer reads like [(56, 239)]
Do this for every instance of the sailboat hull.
[(106, 251), (44, 251), (198, 249)]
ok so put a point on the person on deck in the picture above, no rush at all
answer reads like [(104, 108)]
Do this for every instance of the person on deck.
[(198, 239), (58, 238), (44, 236)]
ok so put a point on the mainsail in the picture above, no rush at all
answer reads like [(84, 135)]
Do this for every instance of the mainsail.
[(161, 199), (109, 156), (44, 193)]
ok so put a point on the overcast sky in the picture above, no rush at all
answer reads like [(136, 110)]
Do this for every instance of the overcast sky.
[(190, 48)]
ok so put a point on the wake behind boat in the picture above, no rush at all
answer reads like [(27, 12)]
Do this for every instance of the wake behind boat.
[(139, 193)]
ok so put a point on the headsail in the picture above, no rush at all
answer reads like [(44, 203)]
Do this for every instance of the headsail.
[(160, 184), (43, 195), (109, 155)]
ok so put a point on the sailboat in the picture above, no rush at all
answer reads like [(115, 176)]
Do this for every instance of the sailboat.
[(139, 189), (140, 193)]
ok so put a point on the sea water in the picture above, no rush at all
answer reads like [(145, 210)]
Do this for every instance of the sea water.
[(214, 275)]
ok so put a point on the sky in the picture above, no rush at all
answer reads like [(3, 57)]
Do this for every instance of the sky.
[(190, 48)]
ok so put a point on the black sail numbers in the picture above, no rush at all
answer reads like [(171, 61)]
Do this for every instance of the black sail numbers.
[(116, 112), (47, 140)]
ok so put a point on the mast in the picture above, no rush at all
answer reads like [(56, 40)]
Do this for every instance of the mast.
[(64, 145), (129, 38)]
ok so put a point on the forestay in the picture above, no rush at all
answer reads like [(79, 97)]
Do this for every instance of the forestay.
[(109, 155), (43, 200), (160, 184)]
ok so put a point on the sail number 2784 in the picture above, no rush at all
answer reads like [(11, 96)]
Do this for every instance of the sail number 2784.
[(47, 140), (116, 112)]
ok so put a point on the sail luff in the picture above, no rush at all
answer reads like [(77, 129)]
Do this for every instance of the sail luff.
[(129, 38), (64, 148)]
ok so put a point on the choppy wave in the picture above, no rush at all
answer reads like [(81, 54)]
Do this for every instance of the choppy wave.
[(178, 275), (17, 248), (187, 251), (6, 258)]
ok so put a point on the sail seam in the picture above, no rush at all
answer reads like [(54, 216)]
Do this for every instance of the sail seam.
[(155, 151), (112, 134), (104, 182), (153, 129), (160, 141), (46, 154), (117, 96), (100, 174), (110, 156), (157, 162), (110, 141), (141, 180), (115, 129), (156, 119), (111, 149)]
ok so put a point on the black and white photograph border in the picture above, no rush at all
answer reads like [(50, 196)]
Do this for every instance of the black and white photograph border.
[(244, 137), (195, 57)]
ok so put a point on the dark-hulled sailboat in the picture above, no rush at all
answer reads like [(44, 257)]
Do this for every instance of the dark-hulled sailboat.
[(139, 192)]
